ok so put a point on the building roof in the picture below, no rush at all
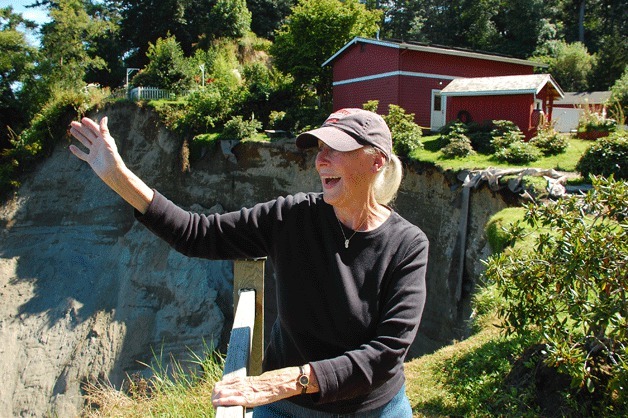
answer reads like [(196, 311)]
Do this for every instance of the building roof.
[(435, 49), (504, 85), (581, 98)]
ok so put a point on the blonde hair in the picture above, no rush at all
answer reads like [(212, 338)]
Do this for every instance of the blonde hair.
[(388, 179)]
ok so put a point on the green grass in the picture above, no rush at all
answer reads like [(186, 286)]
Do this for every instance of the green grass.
[(563, 162), (174, 390), (471, 379), (467, 378)]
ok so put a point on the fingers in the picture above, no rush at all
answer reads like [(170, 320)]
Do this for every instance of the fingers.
[(78, 132), (78, 153), (87, 131), (104, 129), (91, 126)]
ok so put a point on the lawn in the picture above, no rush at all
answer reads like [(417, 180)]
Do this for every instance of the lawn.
[(563, 162)]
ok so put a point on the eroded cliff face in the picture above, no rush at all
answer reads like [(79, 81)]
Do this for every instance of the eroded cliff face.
[(88, 293)]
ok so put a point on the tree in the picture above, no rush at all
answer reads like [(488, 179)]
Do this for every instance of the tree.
[(570, 64), (619, 95), (106, 43), (143, 22), (314, 31), (167, 68), (17, 59), (65, 44), (230, 18), (600, 25), (267, 15)]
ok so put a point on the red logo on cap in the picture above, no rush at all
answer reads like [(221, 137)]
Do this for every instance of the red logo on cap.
[(337, 115)]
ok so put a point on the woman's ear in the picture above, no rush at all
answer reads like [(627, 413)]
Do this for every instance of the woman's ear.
[(379, 161)]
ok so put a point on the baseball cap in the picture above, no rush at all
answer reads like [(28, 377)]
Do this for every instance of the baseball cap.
[(350, 129)]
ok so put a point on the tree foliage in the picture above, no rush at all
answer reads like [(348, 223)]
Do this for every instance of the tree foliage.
[(570, 286), (230, 18), (313, 32), (17, 61), (167, 67), (570, 64)]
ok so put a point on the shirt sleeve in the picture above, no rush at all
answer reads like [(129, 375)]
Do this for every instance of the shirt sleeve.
[(369, 366), (240, 234)]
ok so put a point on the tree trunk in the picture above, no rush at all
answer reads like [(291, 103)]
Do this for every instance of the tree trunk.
[(581, 21)]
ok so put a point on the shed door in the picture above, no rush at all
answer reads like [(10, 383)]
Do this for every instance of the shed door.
[(438, 110)]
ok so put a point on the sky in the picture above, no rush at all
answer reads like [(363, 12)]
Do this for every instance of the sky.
[(39, 15)]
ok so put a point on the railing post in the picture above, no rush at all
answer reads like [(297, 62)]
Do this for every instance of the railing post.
[(249, 274), (238, 353)]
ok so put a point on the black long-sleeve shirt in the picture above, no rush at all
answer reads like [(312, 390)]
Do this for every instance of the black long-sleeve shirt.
[(351, 313)]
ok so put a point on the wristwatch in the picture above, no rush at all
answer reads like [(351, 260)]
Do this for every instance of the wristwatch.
[(303, 380)]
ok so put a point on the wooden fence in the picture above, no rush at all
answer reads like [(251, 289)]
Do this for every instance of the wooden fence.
[(246, 343)]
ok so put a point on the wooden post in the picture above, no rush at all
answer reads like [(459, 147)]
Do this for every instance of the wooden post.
[(249, 274), (238, 353)]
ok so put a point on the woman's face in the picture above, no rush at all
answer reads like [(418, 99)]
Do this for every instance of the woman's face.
[(346, 177)]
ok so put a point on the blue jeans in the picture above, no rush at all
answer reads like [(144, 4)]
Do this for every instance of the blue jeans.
[(398, 407)]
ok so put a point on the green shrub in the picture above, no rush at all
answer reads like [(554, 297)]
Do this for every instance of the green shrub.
[(501, 127), (496, 229), (549, 141), (406, 134), (237, 128), (570, 286), (480, 135), (47, 127), (518, 153), (605, 157), (511, 148), (278, 120), (456, 143), (371, 105)]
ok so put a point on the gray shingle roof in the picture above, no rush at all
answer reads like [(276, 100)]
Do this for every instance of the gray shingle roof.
[(512, 84)]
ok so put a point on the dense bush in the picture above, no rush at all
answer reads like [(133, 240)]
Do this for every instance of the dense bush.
[(501, 127), (518, 152), (237, 128), (455, 142), (277, 120), (606, 156), (480, 135), (511, 148), (569, 287), (549, 141), (46, 128), (406, 134)]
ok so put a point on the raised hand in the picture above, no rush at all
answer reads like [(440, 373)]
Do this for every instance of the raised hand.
[(103, 157), (102, 152)]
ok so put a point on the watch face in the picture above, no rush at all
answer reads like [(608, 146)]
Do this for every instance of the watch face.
[(304, 380)]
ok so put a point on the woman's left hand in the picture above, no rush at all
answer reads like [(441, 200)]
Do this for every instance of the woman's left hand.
[(252, 391)]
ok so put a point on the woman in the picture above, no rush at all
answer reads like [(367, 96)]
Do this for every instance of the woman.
[(350, 271)]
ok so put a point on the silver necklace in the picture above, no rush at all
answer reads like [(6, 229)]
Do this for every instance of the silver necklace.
[(352, 235)]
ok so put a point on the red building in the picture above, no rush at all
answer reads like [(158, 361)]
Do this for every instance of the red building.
[(414, 75), (526, 100)]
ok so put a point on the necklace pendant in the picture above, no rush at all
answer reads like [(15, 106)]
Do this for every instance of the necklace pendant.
[(346, 243)]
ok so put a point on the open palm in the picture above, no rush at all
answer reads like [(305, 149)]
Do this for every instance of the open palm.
[(102, 152)]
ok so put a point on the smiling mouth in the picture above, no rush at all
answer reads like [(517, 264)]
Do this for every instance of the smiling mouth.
[(330, 181)]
